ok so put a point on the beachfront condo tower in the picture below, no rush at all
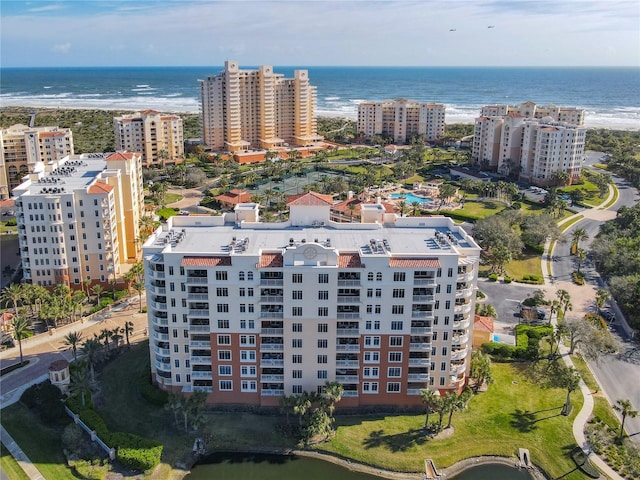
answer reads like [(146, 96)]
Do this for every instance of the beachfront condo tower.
[(250, 311), (78, 218), (244, 109), (531, 143), (22, 147), (157, 136), (400, 120)]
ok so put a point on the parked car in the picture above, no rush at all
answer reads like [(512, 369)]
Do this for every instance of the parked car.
[(608, 316), (540, 313)]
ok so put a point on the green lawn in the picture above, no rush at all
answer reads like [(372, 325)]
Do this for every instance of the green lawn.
[(10, 467), (170, 198), (40, 443), (527, 264), (513, 413)]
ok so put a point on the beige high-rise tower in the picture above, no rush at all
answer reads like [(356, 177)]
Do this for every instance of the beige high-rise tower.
[(242, 109)]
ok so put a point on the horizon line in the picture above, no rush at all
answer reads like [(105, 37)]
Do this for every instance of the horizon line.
[(325, 66)]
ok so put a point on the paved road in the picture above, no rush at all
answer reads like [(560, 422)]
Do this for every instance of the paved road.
[(505, 298)]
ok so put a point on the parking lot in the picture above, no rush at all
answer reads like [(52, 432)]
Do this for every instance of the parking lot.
[(506, 299)]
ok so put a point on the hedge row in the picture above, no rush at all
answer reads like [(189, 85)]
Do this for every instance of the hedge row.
[(133, 451), (150, 393), (527, 343), (531, 280)]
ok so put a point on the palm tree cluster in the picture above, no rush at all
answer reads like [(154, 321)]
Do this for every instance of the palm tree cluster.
[(190, 407), (448, 404), (314, 411), (501, 191), (135, 279)]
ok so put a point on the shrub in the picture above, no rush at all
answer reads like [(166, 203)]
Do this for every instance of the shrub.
[(531, 280), (516, 206), (11, 223), (30, 396), (73, 438), (152, 394), (493, 277), (578, 278), (507, 279), (480, 294)]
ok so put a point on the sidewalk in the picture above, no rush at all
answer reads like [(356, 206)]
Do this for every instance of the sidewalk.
[(17, 453)]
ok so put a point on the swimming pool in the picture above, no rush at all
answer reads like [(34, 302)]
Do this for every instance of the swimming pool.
[(410, 198)]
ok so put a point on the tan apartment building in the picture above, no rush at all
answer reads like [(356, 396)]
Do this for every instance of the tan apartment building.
[(250, 311), (157, 136), (244, 109), (21, 147), (571, 115), (78, 218), (401, 120)]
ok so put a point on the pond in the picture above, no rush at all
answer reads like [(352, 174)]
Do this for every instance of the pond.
[(254, 466)]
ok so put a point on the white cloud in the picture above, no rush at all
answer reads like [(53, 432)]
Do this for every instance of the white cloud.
[(46, 8), (61, 47)]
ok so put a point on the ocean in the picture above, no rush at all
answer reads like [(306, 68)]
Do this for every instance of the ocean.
[(611, 96)]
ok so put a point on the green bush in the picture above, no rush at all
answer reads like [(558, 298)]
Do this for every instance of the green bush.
[(578, 278), (480, 294), (11, 223), (516, 206), (531, 280), (457, 215), (151, 393), (493, 277), (30, 396), (507, 279)]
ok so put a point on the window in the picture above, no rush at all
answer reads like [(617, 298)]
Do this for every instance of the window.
[(297, 294), (322, 359), (221, 275), (393, 387), (224, 339), (247, 355), (399, 276), (379, 277), (186, 350), (224, 355), (444, 351), (243, 307), (396, 325), (176, 349), (372, 357), (296, 389), (450, 272), (177, 377), (448, 288), (323, 295), (323, 343), (370, 276), (447, 304), (296, 359), (296, 343), (445, 336), (371, 372), (369, 308), (296, 278), (296, 311), (323, 311), (250, 276), (434, 337), (370, 387), (296, 374), (223, 323), (225, 385), (446, 320), (322, 374), (394, 372), (243, 292), (223, 307), (224, 370), (248, 371), (175, 333), (323, 327), (247, 339), (398, 293), (397, 309), (395, 357), (323, 278), (378, 293), (443, 366), (296, 327), (395, 341), (376, 324), (249, 386), (222, 292), (249, 292)]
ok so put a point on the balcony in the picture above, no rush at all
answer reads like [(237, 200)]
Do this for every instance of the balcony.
[(157, 290), (421, 377), (163, 366), (349, 283), (271, 314), (424, 298), (459, 354), (347, 348), (200, 328), (196, 280), (347, 363), (461, 325), (157, 274), (460, 339), (420, 347), (165, 352), (198, 296), (349, 393), (161, 336), (270, 362), (347, 378), (413, 391), (201, 359), (346, 299), (465, 277), (431, 281), (349, 315), (271, 331), (200, 344), (453, 380), (465, 308), (197, 312), (465, 293), (271, 347), (348, 332), (424, 314), (272, 393), (421, 362), (271, 378), (421, 330), (271, 299), (458, 369), (202, 375), (271, 282)]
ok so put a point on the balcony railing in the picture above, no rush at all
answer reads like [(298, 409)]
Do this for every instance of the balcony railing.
[(271, 314), (200, 344), (347, 378), (464, 293), (425, 281), (271, 378), (350, 393), (272, 299), (421, 377), (466, 308), (197, 296), (165, 352), (424, 298), (196, 280), (163, 366), (202, 375), (419, 346), (349, 315), (157, 274), (457, 369), (422, 314), (267, 362), (459, 354), (161, 336), (460, 339), (348, 299), (271, 393), (271, 347), (271, 282), (347, 348), (348, 283), (200, 328), (465, 277), (348, 332), (413, 391), (421, 330), (201, 359), (197, 312), (419, 361), (347, 363), (271, 331), (462, 324)]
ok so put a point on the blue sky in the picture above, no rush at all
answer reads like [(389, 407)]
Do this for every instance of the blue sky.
[(314, 32)]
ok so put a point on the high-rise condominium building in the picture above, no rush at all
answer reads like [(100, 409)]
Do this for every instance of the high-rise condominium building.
[(78, 218), (401, 120), (519, 141), (250, 311), (21, 147), (244, 109), (157, 136)]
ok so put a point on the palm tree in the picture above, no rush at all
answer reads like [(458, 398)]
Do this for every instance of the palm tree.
[(91, 350), (581, 255), (428, 397), (301, 406), (457, 402), (579, 235), (13, 293), (87, 286), (106, 334), (77, 299), (72, 339), (416, 206), (569, 378), (97, 291), (20, 331), (480, 369), (565, 301), (80, 382), (626, 410), (333, 392), (116, 337), (127, 330), (138, 286), (601, 298)]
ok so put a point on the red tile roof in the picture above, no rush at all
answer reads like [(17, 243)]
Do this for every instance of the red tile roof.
[(58, 365), (270, 260), (344, 205), (99, 188), (483, 324), (413, 262), (51, 134), (6, 317), (205, 262), (7, 203), (349, 260), (120, 156), (234, 197), (310, 198)]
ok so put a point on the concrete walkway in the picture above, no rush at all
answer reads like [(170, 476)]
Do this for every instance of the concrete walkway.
[(581, 298), (16, 452)]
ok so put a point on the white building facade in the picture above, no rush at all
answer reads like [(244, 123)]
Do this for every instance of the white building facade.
[(250, 311), (401, 120)]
